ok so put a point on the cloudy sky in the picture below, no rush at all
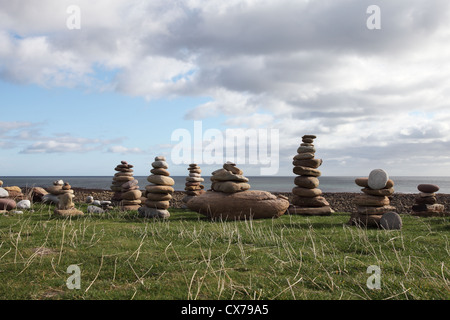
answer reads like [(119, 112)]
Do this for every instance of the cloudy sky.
[(78, 101)]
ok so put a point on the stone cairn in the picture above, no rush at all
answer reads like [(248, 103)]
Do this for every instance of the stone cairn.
[(426, 203), (159, 193), (193, 186), (125, 187), (374, 203), (307, 197), (63, 193), (6, 204), (229, 179)]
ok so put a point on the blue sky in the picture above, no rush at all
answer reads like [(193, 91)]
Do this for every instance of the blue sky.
[(77, 102)]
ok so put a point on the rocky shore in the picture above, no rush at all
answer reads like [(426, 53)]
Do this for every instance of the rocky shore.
[(340, 202)]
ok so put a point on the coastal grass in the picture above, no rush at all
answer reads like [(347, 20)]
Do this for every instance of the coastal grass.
[(188, 257)]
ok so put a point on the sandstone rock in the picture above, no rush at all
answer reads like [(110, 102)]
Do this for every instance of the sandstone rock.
[(371, 201), (130, 184), (311, 211), (425, 200), (224, 175), (306, 150), (161, 180), (159, 196), (305, 192), (7, 204), (427, 210), (68, 213), (160, 158), (230, 186), (160, 165), (375, 210), (131, 202), (306, 182), (428, 188), (318, 201), (66, 201), (233, 169), (379, 192), (391, 221), (132, 195), (304, 156), (311, 163), (160, 171), (241, 205), (368, 221), (37, 193), (194, 179), (157, 204), (378, 179), (362, 182), (305, 171), (159, 189), (309, 136)]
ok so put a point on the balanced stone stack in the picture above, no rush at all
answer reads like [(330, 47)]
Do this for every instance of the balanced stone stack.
[(65, 206), (375, 202), (229, 179), (159, 193), (231, 199), (125, 187), (193, 186), (426, 203), (307, 197)]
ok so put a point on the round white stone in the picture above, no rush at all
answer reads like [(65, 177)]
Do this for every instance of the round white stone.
[(378, 179)]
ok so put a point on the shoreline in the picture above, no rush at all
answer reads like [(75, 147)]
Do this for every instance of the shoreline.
[(339, 201)]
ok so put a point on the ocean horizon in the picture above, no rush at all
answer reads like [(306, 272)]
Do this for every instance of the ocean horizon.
[(403, 184)]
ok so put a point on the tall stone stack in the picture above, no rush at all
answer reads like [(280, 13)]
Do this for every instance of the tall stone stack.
[(307, 197), (229, 179), (426, 203), (193, 186), (159, 193), (123, 175), (375, 202)]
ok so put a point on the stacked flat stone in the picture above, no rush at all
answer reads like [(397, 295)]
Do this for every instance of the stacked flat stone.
[(307, 197), (426, 203), (229, 179), (375, 202), (15, 193), (193, 186), (159, 193)]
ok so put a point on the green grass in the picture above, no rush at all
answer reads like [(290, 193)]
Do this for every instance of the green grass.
[(188, 257)]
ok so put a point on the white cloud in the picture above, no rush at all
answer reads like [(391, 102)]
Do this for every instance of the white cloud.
[(124, 150)]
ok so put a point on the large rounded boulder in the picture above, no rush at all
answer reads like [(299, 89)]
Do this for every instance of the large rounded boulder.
[(248, 204)]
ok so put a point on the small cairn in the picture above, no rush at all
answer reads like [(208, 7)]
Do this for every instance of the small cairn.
[(193, 186), (229, 179), (125, 187), (15, 193), (65, 206), (426, 203), (159, 193), (307, 198), (375, 202)]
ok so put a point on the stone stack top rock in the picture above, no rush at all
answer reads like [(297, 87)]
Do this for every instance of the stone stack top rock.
[(229, 179), (60, 187)]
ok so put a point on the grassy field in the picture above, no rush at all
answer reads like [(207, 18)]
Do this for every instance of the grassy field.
[(187, 257)]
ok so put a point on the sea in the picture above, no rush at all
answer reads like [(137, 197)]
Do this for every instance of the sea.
[(403, 184)]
